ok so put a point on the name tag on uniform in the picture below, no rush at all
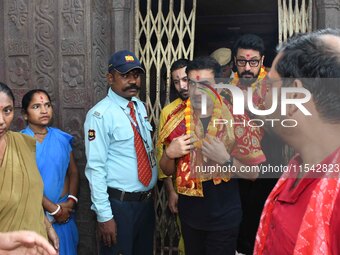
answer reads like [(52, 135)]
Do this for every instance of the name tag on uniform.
[(152, 158)]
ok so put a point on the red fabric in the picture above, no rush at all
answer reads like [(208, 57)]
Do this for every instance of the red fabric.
[(334, 228), (302, 219), (287, 216), (143, 164)]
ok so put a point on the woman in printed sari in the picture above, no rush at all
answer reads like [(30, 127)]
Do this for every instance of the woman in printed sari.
[(57, 168), (21, 187)]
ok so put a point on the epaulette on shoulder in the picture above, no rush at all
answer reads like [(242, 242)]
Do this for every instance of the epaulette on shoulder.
[(100, 110), (97, 114)]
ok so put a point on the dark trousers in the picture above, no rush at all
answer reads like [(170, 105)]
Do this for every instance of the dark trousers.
[(253, 196), (135, 228), (202, 242)]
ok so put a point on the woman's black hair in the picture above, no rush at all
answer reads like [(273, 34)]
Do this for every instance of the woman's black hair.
[(27, 98), (5, 89)]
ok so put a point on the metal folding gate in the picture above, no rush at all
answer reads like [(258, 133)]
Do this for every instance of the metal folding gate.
[(164, 32), (295, 16)]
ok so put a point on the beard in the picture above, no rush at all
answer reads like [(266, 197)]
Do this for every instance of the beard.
[(247, 78), (183, 94)]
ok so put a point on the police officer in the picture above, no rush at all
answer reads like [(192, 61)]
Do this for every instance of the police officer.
[(120, 167), (223, 57)]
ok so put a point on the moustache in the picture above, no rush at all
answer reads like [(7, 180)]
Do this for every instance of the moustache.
[(248, 73), (132, 86)]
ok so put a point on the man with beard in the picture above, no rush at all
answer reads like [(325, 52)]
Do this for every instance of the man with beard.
[(302, 213), (120, 168), (248, 52), (179, 82)]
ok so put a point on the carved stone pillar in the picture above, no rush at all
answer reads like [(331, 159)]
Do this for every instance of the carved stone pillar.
[(2, 43), (328, 13), (122, 16)]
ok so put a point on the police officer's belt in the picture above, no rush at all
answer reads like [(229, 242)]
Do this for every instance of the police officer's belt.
[(128, 196)]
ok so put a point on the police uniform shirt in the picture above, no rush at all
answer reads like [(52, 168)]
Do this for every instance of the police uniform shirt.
[(110, 150)]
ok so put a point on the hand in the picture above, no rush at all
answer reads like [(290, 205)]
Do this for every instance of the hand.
[(52, 236), (68, 204), (63, 215), (108, 232), (172, 201), (179, 146), (24, 243), (215, 150)]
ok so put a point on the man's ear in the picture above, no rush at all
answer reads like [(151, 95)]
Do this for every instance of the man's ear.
[(292, 108), (262, 59), (231, 64), (109, 78)]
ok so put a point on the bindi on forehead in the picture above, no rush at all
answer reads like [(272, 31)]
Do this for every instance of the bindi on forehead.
[(197, 78), (39, 98)]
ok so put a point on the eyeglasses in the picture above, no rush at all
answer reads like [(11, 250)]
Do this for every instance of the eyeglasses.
[(243, 62)]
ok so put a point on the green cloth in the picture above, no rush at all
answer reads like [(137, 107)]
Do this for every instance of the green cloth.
[(21, 187)]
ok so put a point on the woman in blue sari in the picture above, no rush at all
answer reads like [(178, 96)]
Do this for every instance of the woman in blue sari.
[(57, 168)]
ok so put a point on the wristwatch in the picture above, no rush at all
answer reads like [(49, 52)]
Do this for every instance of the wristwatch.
[(229, 162)]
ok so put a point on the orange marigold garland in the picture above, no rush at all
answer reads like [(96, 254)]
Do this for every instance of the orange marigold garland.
[(187, 116), (188, 182)]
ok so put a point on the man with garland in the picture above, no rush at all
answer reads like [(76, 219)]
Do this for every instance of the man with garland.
[(209, 203), (248, 53), (179, 83)]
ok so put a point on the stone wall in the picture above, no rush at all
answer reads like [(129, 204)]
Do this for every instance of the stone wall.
[(63, 47)]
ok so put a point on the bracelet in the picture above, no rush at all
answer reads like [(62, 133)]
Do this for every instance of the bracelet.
[(56, 211), (59, 213), (229, 162), (166, 154), (74, 198)]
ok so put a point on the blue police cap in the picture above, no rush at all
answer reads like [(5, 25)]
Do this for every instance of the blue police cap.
[(124, 61)]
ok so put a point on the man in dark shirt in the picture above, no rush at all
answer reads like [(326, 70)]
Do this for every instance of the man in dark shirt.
[(209, 203)]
